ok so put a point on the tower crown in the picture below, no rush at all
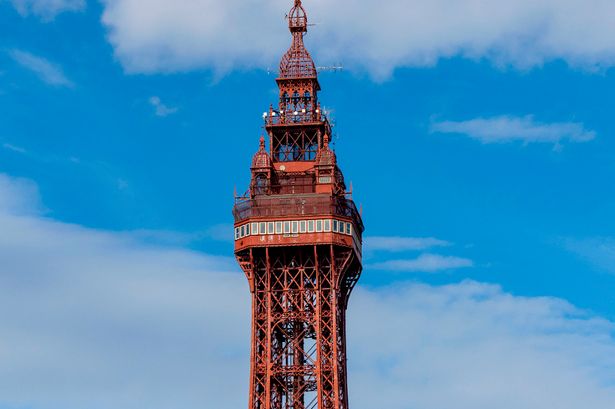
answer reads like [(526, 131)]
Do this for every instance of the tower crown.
[(296, 128), (298, 175), (297, 62)]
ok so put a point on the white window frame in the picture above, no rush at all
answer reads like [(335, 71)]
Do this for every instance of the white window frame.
[(287, 227), (326, 225), (270, 227), (302, 226), (319, 226), (336, 226), (278, 227), (236, 233), (262, 228), (294, 229), (254, 229), (310, 226)]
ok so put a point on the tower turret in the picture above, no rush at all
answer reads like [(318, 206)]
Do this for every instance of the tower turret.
[(326, 166), (261, 171)]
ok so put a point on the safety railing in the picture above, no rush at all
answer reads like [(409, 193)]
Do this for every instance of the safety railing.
[(274, 117)]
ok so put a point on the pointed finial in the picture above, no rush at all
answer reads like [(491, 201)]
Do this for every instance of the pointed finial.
[(297, 18), (261, 142), (326, 142)]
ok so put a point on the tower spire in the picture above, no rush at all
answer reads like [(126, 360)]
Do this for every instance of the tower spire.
[(297, 62)]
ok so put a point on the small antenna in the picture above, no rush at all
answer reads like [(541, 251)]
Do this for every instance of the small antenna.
[(331, 68)]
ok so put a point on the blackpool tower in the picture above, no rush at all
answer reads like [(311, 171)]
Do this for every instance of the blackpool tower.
[(298, 240)]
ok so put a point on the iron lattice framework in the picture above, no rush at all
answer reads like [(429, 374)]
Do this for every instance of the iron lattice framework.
[(298, 239)]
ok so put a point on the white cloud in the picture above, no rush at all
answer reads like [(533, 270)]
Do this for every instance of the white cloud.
[(365, 35), (504, 129), (397, 243), (47, 9), (45, 70), (472, 346), (160, 108), (428, 263), (599, 251), (99, 319)]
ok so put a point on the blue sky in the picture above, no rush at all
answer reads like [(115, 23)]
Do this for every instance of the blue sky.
[(480, 148)]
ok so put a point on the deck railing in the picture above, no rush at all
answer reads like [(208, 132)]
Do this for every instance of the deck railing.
[(303, 116)]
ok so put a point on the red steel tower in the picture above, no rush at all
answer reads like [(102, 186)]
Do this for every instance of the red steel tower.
[(298, 240)]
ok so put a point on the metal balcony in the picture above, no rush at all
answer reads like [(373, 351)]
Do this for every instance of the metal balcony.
[(266, 206)]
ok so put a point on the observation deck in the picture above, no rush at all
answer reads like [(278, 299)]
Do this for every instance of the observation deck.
[(296, 205), (297, 219)]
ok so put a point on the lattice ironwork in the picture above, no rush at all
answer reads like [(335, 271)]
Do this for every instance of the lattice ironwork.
[(295, 144), (299, 300)]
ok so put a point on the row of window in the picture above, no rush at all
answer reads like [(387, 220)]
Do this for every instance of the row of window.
[(293, 227)]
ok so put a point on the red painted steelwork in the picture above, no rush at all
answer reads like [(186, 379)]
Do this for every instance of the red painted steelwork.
[(300, 277)]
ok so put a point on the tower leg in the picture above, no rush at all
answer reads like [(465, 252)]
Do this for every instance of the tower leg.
[(298, 320)]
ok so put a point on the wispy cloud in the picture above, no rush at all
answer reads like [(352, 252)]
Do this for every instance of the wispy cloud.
[(45, 70), (122, 184), (220, 232), (160, 108), (426, 263), (14, 148), (18, 197), (47, 9), (503, 129), (599, 251), (105, 319), (398, 243)]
